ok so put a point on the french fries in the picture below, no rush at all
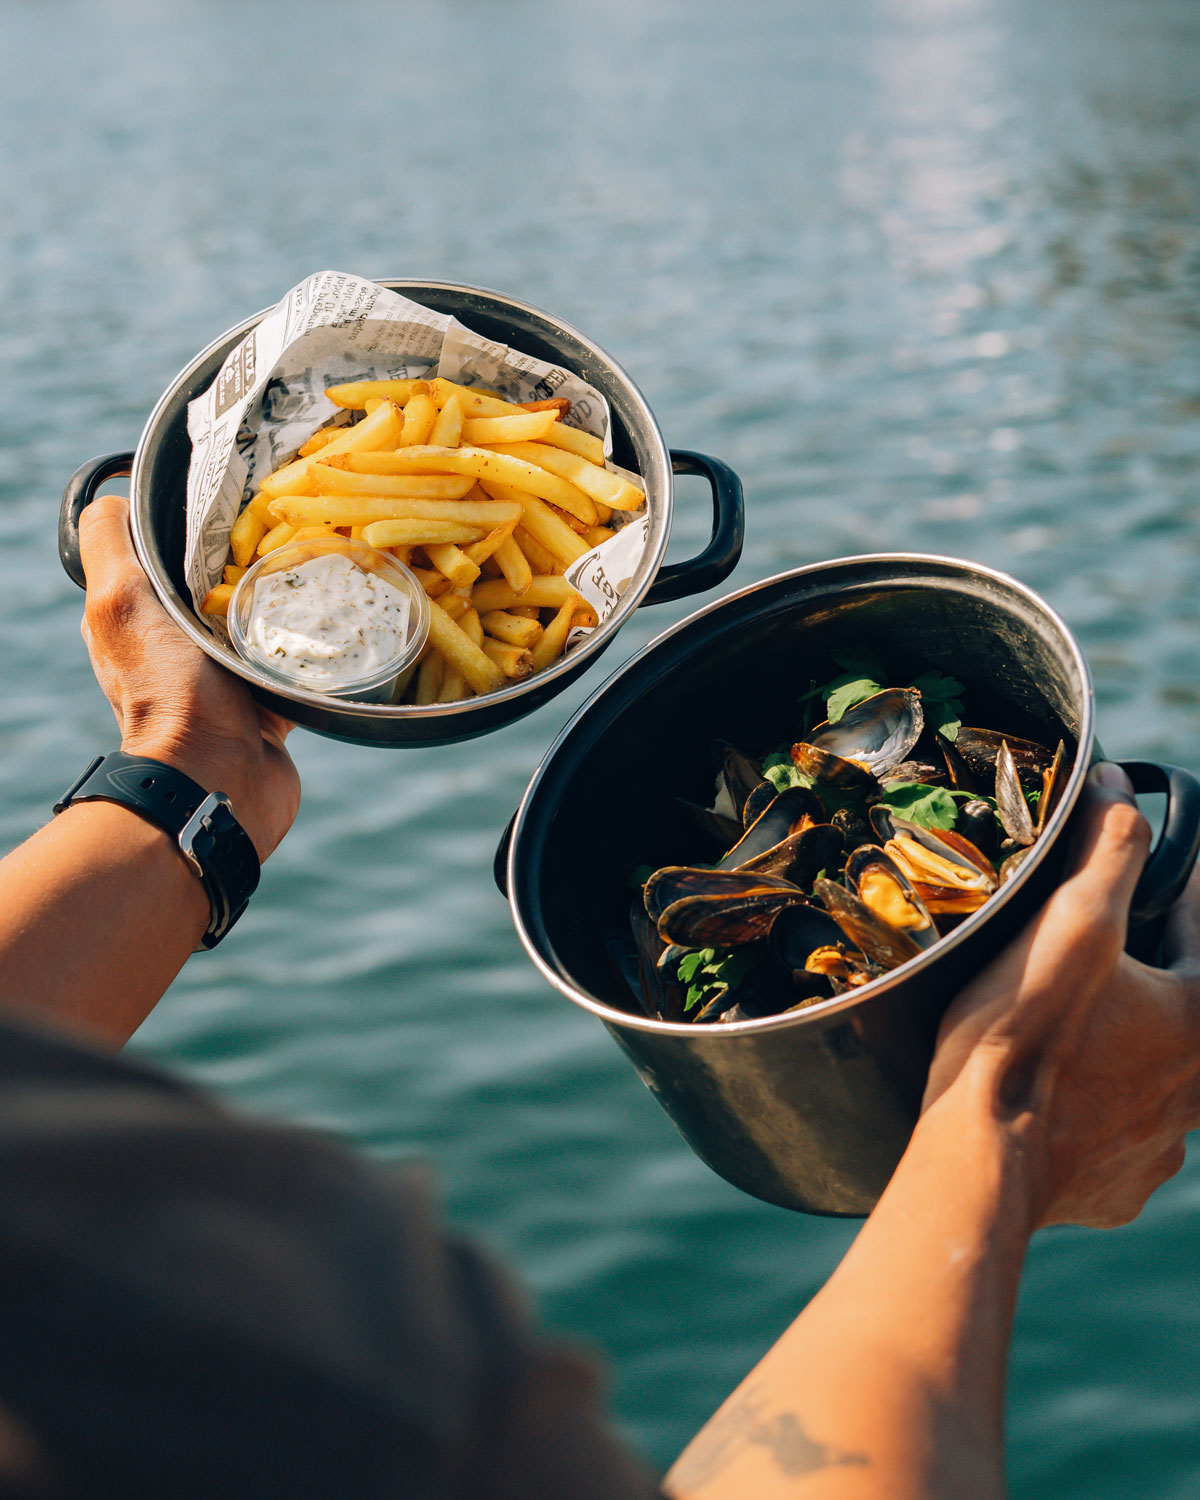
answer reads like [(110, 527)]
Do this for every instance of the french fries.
[(488, 501)]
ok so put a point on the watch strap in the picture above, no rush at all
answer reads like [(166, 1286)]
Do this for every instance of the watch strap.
[(216, 846)]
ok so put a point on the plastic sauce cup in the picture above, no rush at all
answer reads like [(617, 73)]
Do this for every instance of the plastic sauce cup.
[(378, 686)]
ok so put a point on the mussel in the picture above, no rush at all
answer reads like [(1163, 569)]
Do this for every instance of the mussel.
[(715, 908)]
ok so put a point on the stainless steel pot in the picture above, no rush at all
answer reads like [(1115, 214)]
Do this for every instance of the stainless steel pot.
[(159, 470), (810, 1110)]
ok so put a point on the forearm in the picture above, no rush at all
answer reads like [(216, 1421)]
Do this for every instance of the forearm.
[(98, 913), (892, 1380)]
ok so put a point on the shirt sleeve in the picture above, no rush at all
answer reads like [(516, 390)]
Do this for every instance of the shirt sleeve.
[(198, 1304)]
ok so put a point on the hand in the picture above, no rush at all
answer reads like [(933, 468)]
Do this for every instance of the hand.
[(172, 701), (1094, 1058)]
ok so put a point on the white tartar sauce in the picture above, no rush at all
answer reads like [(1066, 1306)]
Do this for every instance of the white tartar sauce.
[(327, 620)]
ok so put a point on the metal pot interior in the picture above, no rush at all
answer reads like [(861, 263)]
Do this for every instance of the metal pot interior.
[(161, 464), (606, 797)]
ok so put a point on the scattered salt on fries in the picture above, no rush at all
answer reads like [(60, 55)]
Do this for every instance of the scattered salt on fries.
[(487, 501)]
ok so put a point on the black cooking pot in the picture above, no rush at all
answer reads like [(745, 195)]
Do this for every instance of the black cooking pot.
[(159, 474), (810, 1110)]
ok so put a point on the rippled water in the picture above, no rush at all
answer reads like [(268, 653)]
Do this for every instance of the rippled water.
[(923, 271)]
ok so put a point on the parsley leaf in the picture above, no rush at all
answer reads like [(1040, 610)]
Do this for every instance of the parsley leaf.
[(928, 806), (712, 972), (845, 691), (940, 700)]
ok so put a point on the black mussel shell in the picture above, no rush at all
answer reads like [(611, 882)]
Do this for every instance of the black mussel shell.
[(980, 747), (962, 778), (949, 874), (717, 825), (674, 882), (715, 908), (853, 827), (977, 822), (800, 932), (756, 804), (1054, 784), (1010, 800), (784, 814), (737, 776), (802, 857), (923, 771), (661, 993), (877, 733), (831, 771), (880, 884), (884, 945)]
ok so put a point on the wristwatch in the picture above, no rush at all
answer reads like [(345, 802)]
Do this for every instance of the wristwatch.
[(216, 846)]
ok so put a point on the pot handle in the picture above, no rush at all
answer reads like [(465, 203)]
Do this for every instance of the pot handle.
[(1171, 860), (500, 858), (80, 492), (720, 557)]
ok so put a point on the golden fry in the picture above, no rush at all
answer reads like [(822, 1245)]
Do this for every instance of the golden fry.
[(541, 561), (527, 427), (511, 628), (216, 601), (471, 626), (420, 533), (356, 393), (232, 573), (479, 463), (481, 551), (514, 661), (600, 484), (560, 404), (429, 678), (278, 536), (514, 565), (574, 441), (452, 561), (448, 429), (545, 593), (554, 637), (361, 510), (247, 531), (595, 535), (381, 429), (332, 479), (419, 416), (320, 439), (542, 523), (461, 652)]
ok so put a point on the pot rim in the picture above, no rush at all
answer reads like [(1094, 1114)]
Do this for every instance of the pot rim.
[(568, 664), (627, 1020)]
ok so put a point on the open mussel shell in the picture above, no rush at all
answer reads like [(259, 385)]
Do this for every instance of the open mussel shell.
[(923, 771), (880, 884), (979, 748), (1011, 805), (658, 987), (809, 945), (737, 777), (949, 875), (801, 857), (883, 944), (786, 813), (1054, 784), (877, 733), (833, 771), (715, 908), (757, 803)]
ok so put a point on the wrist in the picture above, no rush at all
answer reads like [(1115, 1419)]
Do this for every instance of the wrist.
[(227, 766), (995, 1141)]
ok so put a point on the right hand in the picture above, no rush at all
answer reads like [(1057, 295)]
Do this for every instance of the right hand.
[(171, 700), (1093, 1058)]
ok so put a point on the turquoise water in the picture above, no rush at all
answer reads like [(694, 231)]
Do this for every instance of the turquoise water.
[(923, 271)]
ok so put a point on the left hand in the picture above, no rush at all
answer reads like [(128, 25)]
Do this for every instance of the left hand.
[(1091, 1057), (172, 701)]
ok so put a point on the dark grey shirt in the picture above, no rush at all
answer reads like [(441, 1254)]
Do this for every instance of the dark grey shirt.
[(193, 1304)]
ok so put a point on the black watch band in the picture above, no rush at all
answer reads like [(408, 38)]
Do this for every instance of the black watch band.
[(216, 846)]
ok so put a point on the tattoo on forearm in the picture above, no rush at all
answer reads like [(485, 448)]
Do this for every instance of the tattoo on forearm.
[(794, 1451)]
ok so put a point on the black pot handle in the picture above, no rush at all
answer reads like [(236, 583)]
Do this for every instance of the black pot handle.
[(1173, 857), (80, 492), (720, 557), (500, 859)]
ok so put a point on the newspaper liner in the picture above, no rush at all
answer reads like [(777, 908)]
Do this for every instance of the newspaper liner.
[(269, 397)]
